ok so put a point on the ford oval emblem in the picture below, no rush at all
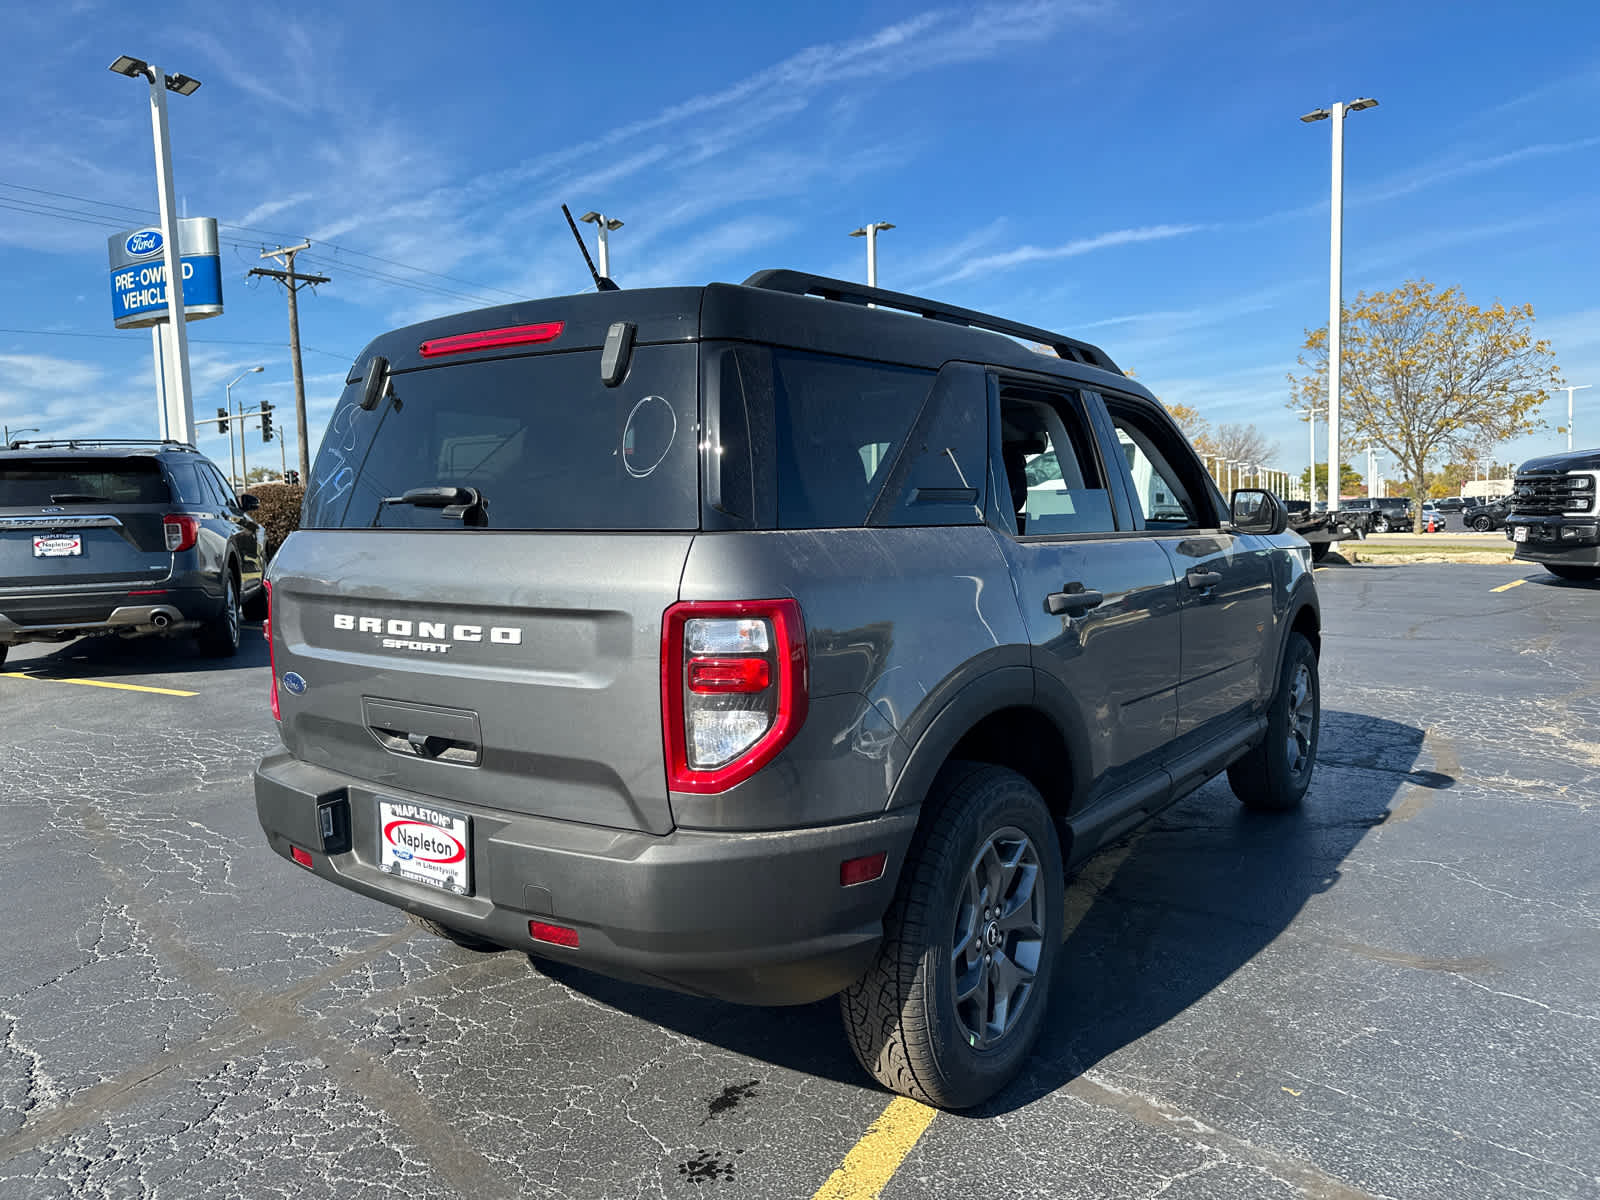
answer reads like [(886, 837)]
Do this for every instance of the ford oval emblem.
[(293, 683), (145, 242)]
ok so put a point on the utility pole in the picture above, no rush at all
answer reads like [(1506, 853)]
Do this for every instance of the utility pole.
[(294, 282)]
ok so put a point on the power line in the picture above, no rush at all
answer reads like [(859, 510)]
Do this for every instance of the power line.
[(267, 233), (199, 341)]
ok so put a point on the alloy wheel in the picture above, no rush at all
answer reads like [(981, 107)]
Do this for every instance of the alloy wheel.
[(1302, 719), (999, 936)]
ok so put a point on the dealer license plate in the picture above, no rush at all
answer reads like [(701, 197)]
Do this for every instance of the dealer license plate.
[(425, 844), (57, 545), (1521, 534)]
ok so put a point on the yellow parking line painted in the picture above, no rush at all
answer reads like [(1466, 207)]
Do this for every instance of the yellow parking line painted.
[(100, 683), (869, 1166), (873, 1160), (1506, 587)]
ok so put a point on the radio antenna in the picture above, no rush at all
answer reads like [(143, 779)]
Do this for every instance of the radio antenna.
[(601, 283)]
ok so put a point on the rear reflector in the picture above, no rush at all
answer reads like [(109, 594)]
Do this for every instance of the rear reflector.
[(490, 339), (556, 935), (149, 592), (303, 857), (729, 675), (862, 870)]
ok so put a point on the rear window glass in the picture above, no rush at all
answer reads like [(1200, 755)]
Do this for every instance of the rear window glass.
[(544, 442), (840, 423), (51, 481)]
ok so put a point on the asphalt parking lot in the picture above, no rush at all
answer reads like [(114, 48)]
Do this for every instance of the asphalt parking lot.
[(1392, 994)]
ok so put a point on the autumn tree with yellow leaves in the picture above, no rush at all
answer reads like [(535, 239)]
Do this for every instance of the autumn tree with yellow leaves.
[(1423, 371)]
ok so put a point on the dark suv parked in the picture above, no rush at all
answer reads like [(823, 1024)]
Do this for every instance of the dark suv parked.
[(1488, 515), (1555, 516), (757, 642), (1384, 514), (125, 537)]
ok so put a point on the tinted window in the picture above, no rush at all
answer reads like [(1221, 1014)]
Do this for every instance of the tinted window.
[(547, 445), (840, 422), (1051, 468), (186, 481), (43, 481), (219, 485)]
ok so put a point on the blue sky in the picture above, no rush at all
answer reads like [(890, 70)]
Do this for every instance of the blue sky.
[(1131, 173)]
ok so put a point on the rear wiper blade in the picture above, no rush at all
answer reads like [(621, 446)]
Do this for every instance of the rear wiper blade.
[(70, 497), (465, 504)]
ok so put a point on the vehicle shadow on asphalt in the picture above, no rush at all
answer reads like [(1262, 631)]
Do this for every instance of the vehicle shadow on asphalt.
[(1203, 889), (112, 657)]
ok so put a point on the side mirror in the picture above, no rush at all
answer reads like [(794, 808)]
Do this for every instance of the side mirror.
[(248, 502), (1258, 511)]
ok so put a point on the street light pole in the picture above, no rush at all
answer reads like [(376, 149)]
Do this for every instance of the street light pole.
[(870, 232), (180, 395), (605, 225), (244, 466), (1337, 113), (1577, 387), (1311, 477)]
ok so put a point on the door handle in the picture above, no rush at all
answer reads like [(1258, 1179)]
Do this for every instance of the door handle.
[(1199, 578), (1072, 600)]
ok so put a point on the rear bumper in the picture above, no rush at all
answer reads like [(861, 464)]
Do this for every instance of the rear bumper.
[(755, 918), (46, 616)]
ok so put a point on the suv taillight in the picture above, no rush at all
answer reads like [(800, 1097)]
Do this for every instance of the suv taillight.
[(272, 655), (181, 531), (733, 689)]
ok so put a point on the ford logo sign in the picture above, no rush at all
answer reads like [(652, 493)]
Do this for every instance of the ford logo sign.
[(146, 241), (294, 683)]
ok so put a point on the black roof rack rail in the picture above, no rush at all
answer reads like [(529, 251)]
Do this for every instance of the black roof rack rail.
[(799, 283), (83, 443)]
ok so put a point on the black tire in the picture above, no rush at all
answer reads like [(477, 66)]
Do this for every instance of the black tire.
[(1380, 524), (4, 650), (1274, 776), (1559, 570), (1319, 550), (219, 637), (902, 1017), (466, 941), (1483, 524)]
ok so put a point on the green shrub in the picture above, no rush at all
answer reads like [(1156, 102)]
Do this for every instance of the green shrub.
[(279, 513)]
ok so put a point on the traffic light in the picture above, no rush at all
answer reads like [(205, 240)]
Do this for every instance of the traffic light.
[(266, 421), (294, 477), (222, 420)]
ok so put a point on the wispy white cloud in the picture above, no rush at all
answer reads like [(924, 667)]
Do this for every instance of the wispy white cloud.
[(1438, 172), (1027, 254)]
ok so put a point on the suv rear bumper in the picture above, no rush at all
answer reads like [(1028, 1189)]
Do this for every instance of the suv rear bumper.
[(48, 616), (755, 918)]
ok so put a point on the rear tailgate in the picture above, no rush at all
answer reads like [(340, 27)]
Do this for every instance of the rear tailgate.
[(516, 671), (82, 523), (502, 650)]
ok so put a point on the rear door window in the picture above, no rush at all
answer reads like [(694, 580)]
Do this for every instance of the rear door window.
[(1053, 474), (29, 483), (546, 444)]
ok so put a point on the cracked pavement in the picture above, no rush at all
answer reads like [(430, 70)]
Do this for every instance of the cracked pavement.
[(1391, 994)]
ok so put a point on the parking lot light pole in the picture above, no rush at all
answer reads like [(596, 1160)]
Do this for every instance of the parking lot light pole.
[(605, 225), (1569, 389), (179, 391), (870, 232), (1337, 114)]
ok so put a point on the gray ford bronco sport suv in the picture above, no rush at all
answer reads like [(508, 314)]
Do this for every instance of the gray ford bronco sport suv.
[(768, 642)]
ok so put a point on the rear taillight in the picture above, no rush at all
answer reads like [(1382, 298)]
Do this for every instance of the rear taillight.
[(733, 689), (272, 655), (181, 531)]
